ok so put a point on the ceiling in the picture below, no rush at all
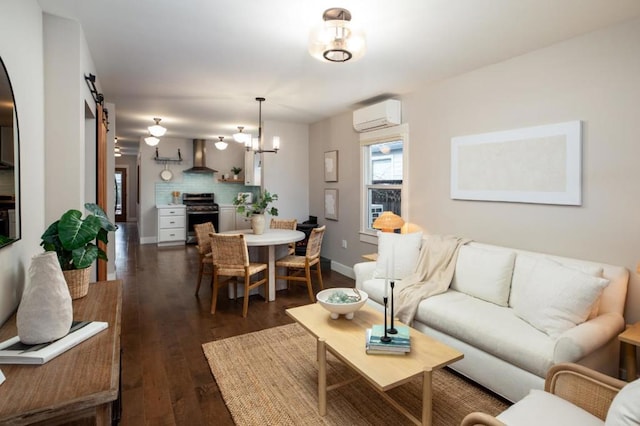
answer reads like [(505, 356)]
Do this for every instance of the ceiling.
[(199, 64)]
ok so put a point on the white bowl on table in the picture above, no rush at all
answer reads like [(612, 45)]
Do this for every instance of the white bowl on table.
[(337, 309)]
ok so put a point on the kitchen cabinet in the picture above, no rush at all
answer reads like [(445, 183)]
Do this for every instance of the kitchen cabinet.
[(172, 220), (243, 222), (227, 219), (252, 168)]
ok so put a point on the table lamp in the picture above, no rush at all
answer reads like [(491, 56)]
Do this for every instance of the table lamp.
[(388, 222)]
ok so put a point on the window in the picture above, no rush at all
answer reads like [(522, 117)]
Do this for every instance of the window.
[(384, 182)]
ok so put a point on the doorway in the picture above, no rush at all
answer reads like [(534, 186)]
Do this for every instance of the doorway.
[(121, 194)]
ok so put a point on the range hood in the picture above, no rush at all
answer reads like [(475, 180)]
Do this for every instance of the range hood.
[(199, 158)]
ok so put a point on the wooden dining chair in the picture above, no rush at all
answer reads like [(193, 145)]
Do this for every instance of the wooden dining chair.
[(285, 224), (231, 259), (203, 244), (299, 267)]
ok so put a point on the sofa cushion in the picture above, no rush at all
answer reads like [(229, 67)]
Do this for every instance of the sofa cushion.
[(625, 409), (485, 274), (524, 265), (490, 328), (542, 408), (555, 298), (401, 250)]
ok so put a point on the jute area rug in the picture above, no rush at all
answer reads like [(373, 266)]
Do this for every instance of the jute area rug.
[(270, 378)]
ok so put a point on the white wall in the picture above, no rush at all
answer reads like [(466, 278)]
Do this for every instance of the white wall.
[(286, 173), (594, 78), (21, 48)]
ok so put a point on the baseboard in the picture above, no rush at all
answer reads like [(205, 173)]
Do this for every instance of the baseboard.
[(148, 240), (343, 269), (111, 276)]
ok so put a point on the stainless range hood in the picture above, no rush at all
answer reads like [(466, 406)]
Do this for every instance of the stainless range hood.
[(199, 158)]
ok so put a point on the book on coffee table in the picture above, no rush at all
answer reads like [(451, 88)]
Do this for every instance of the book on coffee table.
[(13, 351), (400, 342)]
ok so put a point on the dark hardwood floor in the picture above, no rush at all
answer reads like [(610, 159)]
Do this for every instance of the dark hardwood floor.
[(165, 377)]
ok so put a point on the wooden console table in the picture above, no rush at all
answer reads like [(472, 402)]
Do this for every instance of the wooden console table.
[(79, 385)]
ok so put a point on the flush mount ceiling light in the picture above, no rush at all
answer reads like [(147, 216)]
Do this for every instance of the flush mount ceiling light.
[(157, 130), (151, 140), (257, 144), (336, 39), (221, 144), (241, 137), (116, 149)]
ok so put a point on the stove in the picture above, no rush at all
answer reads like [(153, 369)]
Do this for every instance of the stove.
[(201, 208)]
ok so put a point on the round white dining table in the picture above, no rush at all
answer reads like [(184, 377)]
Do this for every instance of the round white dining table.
[(271, 238)]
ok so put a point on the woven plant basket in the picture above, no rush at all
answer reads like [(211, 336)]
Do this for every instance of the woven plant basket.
[(78, 282)]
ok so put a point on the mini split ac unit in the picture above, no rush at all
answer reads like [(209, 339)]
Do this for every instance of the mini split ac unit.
[(377, 116)]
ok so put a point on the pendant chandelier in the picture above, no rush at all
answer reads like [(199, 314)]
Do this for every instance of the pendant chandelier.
[(257, 144), (336, 39)]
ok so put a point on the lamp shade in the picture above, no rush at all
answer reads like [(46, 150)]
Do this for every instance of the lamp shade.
[(157, 130), (221, 144), (388, 222), (151, 140), (241, 137)]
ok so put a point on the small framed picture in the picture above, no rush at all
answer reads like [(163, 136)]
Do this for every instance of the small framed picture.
[(331, 204), (331, 166)]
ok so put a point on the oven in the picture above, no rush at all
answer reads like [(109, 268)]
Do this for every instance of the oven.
[(201, 208)]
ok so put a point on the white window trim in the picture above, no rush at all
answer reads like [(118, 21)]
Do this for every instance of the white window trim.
[(378, 136)]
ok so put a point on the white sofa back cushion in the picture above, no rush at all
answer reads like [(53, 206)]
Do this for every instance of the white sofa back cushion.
[(485, 274), (554, 298), (401, 250), (625, 408)]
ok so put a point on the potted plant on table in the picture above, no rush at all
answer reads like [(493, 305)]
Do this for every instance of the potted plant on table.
[(72, 238), (256, 210), (236, 171)]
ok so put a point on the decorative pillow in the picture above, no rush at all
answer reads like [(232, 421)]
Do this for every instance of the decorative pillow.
[(556, 298), (624, 409), (485, 274), (401, 250)]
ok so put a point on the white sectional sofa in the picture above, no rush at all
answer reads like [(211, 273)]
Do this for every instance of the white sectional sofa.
[(515, 313)]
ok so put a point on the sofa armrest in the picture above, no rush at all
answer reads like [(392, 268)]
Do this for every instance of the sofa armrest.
[(363, 271), (478, 418), (578, 342), (588, 389)]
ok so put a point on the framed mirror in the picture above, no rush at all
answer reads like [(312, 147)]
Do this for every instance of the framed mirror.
[(9, 162)]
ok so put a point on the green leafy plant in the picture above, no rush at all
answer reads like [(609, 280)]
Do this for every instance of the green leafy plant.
[(72, 238), (236, 170), (260, 206)]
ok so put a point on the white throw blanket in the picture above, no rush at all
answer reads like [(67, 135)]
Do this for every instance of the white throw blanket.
[(433, 275)]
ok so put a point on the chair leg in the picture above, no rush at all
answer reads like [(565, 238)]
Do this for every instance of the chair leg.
[(266, 285), (307, 274), (214, 292), (319, 271), (200, 271), (245, 305)]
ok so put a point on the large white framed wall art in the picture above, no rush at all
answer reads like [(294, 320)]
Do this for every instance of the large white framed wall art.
[(541, 164)]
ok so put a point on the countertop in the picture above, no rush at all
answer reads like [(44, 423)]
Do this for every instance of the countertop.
[(169, 206)]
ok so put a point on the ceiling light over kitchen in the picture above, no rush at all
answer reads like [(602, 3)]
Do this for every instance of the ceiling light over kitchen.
[(221, 145), (116, 149), (241, 137), (157, 130), (336, 39), (151, 140)]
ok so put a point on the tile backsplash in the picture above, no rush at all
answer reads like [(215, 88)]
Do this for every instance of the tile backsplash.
[(197, 183)]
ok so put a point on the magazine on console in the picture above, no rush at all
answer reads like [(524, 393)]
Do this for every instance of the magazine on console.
[(13, 351)]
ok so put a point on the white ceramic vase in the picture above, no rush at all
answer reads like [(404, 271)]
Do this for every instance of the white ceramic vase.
[(257, 223), (45, 312)]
